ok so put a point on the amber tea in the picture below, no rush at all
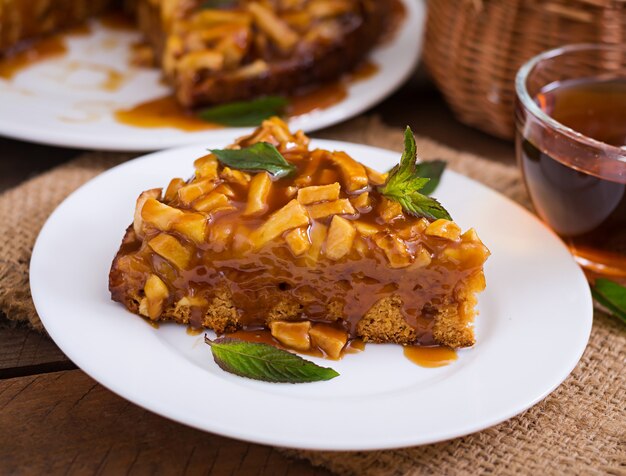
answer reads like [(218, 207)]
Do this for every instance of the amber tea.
[(585, 203)]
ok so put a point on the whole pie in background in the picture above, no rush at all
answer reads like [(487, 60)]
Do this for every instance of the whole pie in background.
[(219, 51)]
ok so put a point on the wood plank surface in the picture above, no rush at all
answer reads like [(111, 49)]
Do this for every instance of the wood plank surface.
[(25, 352), (66, 423)]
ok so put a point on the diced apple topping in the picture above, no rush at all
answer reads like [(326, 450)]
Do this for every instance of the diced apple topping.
[(171, 249), (225, 189), (318, 236), (192, 226), (172, 189), (375, 177), (292, 215), (364, 228), (235, 176), (422, 257), (413, 230), (156, 293), (318, 193), (298, 241), (389, 210), (352, 172), (212, 201), (220, 235), (294, 335), (160, 215), (329, 339), (141, 200), (191, 192), (467, 254), (444, 229), (470, 236), (275, 28), (394, 248), (326, 209), (306, 175), (340, 238), (361, 246), (206, 167), (258, 194), (362, 202)]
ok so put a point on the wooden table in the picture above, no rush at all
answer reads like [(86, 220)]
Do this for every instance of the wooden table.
[(55, 419)]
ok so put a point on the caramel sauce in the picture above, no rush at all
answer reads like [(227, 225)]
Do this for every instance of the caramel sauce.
[(364, 71), (163, 112), (319, 98), (14, 62), (194, 331), (153, 324), (167, 112), (354, 347), (430, 357)]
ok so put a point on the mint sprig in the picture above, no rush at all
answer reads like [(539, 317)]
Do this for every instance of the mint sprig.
[(245, 113), (257, 157), (612, 296), (264, 362), (409, 183)]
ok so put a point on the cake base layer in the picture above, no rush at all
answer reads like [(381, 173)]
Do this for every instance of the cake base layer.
[(440, 304)]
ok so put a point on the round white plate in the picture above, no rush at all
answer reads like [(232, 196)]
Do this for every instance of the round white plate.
[(61, 101), (534, 323)]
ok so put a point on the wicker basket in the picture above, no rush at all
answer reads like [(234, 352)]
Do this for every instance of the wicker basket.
[(474, 48)]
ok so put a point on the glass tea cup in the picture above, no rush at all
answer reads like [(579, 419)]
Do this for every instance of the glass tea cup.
[(571, 146)]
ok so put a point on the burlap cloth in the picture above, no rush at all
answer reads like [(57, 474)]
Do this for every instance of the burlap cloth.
[(578, 429)]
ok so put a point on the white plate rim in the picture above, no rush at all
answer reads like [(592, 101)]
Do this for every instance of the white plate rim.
[(182, 417)]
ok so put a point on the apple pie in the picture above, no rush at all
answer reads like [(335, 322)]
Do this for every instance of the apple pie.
[(309, 254), (221, 51)]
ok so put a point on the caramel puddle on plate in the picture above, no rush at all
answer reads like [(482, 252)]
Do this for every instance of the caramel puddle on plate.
[(194, 331), (167, 112), (430, 357), (162, 112), (329, 94), (28, 53), (14, 62), (104, 78)]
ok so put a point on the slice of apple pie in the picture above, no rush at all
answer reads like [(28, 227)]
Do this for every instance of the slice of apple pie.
[(217, 51), (271, 234)]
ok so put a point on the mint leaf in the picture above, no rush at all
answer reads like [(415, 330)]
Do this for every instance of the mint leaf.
[(260, 156), (409, 183), (265, 362), (612, 296), (245, 113), (432, 169)]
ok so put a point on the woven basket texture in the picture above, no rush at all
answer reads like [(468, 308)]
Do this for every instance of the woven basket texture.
[(473, 48)]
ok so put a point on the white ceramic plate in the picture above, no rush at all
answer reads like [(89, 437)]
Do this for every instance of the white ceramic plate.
[(61, 101), (535, 319)]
